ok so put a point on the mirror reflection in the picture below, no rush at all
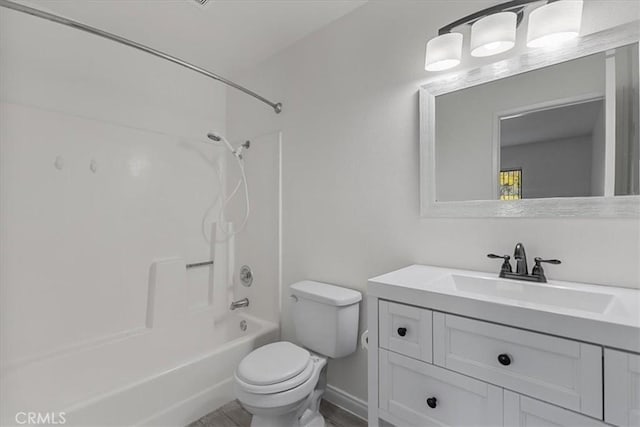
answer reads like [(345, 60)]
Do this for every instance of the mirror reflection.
[(567, 130)]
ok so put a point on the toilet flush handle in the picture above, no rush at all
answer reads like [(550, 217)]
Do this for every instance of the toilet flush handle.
[(294, 298)]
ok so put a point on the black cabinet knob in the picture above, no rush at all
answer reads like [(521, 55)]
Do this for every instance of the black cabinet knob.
[(504, 359), (402, 331), (432, 402)]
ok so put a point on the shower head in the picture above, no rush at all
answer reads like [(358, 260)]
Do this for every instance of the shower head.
[(217, 139), (214, 137)]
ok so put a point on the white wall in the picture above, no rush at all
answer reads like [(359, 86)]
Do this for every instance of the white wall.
[(552, 168), (350, 164), (77, 245)]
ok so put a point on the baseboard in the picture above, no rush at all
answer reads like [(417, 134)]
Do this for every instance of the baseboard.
[(346, 401)]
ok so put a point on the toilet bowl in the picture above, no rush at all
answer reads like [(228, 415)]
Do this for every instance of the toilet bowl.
[(281, 384)]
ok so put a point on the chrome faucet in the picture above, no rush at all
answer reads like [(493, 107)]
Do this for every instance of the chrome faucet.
[(520, 256), (522, 271), (244, 302)]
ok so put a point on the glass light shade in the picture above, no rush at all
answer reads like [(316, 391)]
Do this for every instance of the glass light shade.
[(443, 52), (554, 23), (493, 34)]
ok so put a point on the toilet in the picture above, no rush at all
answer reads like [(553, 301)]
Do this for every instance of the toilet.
[(281, 384)]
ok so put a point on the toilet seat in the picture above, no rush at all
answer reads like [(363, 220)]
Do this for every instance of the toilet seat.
[(273, 363), (274, 368), (263, 398), (277, 387)]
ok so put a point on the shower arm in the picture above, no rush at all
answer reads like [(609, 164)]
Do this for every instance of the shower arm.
[(277, 106)]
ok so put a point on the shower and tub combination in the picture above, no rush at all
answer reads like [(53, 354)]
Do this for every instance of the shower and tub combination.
[(176, 368), (158, 376), (178, 364)]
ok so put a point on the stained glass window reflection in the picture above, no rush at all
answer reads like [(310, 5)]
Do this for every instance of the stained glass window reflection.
[(511, 184)]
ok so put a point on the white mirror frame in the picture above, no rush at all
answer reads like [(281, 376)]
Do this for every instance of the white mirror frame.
[(616, 206)]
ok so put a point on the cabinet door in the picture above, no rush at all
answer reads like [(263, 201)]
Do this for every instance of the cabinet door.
[(414, 393), (560, 371), (621, 388), (522, 411), (406, 329)]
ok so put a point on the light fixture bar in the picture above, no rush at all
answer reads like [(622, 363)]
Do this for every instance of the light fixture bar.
[(494, 30), (511, 6)]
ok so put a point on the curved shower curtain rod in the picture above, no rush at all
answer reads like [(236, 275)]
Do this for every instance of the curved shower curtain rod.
[(277, 106)]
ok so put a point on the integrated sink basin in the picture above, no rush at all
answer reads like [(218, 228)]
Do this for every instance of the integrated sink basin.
[(532, 293), (607, 315)]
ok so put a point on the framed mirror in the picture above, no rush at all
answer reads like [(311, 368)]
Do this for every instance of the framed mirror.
[(546, 133)]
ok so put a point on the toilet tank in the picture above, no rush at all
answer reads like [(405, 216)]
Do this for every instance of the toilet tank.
[(325, 317)]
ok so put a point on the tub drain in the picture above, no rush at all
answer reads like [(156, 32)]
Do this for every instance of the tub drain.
[(243, 325)]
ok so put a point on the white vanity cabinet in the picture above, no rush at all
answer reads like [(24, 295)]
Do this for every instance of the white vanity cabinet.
[(461, 348), (442, 369), (421, 394), (561, 371), (406, 330), (522, 411), (622, 388)]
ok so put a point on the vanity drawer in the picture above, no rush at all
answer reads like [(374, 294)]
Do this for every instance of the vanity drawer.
[(621, 388), (408, 385), (406, 329), (561, 371), (522, 411)]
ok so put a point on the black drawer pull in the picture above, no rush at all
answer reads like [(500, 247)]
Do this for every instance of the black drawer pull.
[(504, 359), (402, 331), (432, 402)]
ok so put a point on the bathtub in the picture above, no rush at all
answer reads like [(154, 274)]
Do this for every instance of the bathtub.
[(166, 376)]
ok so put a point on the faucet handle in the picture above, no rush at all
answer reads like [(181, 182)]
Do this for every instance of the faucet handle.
[(506, 265), (538, 260), (538, 271)]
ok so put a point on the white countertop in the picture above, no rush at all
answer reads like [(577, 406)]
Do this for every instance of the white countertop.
[(617, 326)]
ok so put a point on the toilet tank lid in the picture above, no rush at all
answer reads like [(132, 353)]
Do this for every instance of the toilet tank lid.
[(325, 293)]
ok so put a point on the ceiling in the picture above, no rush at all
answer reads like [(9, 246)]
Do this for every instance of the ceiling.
[(569, 121), (223, 36)]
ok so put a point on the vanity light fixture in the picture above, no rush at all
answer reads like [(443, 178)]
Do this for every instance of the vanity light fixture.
[(554, 23), (493, 34), (443, 52), (493, 30)]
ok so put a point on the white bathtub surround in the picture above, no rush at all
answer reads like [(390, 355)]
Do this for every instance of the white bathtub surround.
[(161, 375), (506, 350), (259, 245), (167, 301), (222, 289), (351, 170), (105, 180)]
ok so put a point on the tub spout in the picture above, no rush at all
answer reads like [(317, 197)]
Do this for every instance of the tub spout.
[(244, 302)]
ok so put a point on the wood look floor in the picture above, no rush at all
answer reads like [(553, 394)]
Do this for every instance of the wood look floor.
[(234, 415)]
